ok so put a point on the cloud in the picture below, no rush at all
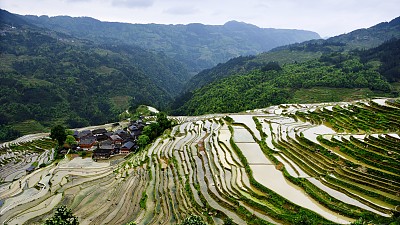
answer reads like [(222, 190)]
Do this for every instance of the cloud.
[(133, 3), (181, 10)]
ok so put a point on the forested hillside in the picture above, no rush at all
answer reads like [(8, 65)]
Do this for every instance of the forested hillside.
[(300, 52), (337, 75), (196, 45), (48, 77)]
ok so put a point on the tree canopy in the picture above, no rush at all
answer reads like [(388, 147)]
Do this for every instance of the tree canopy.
[(273, 84), (63, 216), (193, 220), (58, 133), (155, 129)]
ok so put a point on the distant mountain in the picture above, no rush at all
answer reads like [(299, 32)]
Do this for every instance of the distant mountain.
[(370, 37), (300, 52), (196, 45), (48, 77), (335, 76), (357, 39)]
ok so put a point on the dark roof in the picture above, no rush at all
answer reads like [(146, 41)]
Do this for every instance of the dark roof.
[(133, 127), (84, 133), (124, 136), (136, 133), (119, 131), (106, 146), (101, 137), (87, 140), (128, 145), (76, 133), (99, 131), (106, 142), (102, 151)]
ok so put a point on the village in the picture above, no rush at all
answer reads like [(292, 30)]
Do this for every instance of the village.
[(105, 143)]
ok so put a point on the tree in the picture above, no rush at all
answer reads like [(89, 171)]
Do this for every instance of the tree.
[(63, 216), (58, 133), (193, 220), (70, 140), (163, 121), (143, 140)]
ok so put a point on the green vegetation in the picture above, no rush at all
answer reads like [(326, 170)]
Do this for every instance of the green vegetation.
[(35, 164), (134, 114), (209, 175), (193, 220), (305, 51), (332, 77), (49, 78), (8, 133), (195, 45), (155, 129), (59, 134), (143, 200), (357, 39), (131, 223), (326, 94), (70, 140), (291, 212), (62, 216), (29, 127), (368, 166)]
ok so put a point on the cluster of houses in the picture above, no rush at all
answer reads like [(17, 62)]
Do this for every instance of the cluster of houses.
[(105, 143)]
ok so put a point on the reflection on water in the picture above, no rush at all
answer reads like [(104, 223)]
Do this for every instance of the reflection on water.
[(253, 153), (342, 197), (248, 120), (273, 179), (242, 135)]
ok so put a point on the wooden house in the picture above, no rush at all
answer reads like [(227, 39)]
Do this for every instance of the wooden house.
[(99, 131), (116, 139), (80, 135), (101, 153), (127, 147), (87, 142)]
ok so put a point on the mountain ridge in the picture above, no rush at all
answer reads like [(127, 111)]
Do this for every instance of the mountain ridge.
[(299, 52), (196, 45), (48, 77)]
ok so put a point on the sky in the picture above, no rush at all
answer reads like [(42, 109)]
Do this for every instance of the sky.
[(326, 17)]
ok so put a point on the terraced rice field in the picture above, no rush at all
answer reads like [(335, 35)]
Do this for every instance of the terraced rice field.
[(288, 164), (18, 155)]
